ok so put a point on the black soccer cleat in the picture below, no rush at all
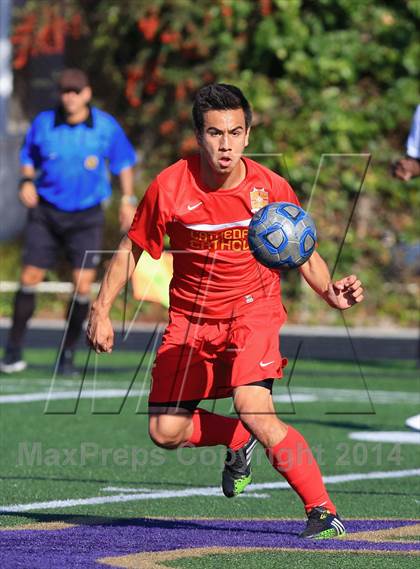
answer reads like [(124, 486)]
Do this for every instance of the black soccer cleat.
[(322, 524), (237, 472)]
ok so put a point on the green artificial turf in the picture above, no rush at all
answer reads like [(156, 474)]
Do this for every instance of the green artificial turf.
[(42, 458)]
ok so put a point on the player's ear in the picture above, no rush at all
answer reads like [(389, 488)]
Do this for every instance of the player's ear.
[(87, 94), (198, 136)]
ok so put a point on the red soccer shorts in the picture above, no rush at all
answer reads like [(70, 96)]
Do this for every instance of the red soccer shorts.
[(206, 358)]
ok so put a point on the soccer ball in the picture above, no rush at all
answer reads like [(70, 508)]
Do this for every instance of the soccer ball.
[(282, 235)]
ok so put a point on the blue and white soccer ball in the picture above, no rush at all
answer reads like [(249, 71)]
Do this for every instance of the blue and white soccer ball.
[(282, 235)]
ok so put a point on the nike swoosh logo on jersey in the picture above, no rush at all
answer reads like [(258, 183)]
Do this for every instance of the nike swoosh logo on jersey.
[(265, 364), (195, 206)]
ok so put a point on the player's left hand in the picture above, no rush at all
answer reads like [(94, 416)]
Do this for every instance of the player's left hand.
[(126, 215), (344, 293)]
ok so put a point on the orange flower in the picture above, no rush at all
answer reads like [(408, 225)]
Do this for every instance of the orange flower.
[(180, 92), (170, 37), (227, 11), (135, 101), (74, 26), (188, 145), (148, 26), (151, 87), (133, 77), (265, 7), (22, 39), (167, 127)]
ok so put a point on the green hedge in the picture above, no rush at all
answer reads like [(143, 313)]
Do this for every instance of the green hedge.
[(334, 77)]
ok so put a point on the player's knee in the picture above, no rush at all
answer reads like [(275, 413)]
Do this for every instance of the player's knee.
[(84, 289), (31, 276), (83, 280), (165, 440), (165, 435)]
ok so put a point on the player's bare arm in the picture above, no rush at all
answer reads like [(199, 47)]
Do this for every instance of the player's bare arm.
[(128, 202), (340, 294), (27, 191), (100, 333)]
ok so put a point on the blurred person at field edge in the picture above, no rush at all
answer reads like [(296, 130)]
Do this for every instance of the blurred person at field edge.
[(405, 169), (409, 167), (66, 158)]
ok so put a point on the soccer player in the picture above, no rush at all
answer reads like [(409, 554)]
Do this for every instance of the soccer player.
[(65, 160), (409, 167), (225, 308)]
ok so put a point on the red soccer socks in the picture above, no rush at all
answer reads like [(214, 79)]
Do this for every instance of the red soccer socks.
[(211, 429), (293, 458)]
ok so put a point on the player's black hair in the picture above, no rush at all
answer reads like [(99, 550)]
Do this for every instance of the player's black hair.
[(219, 97)]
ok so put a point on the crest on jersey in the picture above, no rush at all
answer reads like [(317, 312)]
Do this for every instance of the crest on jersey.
[(259, 198), (91, 162)]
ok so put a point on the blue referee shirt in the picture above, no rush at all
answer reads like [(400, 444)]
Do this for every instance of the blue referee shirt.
[(73, 160)]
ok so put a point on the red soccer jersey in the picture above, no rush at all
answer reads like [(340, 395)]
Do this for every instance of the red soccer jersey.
[(215, 275)]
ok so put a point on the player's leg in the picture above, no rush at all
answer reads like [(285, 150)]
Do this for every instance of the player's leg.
[(170, 428), (23, 309), (77, 312), (184, 424), (181, 423), (82, 238), (39, 254), (291, 456), (183, 375), (188, 425)]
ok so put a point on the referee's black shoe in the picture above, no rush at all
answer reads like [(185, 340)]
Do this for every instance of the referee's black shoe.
[(65, 364), (237, 472), (323, 524)]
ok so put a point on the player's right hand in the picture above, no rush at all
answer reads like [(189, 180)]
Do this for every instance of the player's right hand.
[(28, 195), (99, 332), (406, 168)]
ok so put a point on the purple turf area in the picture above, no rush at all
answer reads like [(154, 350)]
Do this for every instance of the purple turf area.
[(83, 545)]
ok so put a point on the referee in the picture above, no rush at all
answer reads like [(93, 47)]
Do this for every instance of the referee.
[(65, 162)]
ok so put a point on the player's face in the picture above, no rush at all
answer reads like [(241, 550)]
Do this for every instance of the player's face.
[(223, 140), (74, 101)]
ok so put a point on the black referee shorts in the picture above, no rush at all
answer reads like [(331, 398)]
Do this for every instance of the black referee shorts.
[(51, 231)]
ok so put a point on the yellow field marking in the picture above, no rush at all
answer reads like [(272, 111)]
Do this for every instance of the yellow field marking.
[(154, 559)]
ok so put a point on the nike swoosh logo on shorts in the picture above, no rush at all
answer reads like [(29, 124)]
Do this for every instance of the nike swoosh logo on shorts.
[(195, 206), (265, 364)]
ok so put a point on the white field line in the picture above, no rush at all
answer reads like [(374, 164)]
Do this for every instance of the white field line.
[(189, 492), (353, 395), (413, 422), (59, 395), (298, 395), (394, 437), (254, 495), (122, 489)]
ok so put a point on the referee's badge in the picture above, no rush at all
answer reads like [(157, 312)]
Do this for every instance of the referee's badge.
[(91, 162), (259, 198)]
